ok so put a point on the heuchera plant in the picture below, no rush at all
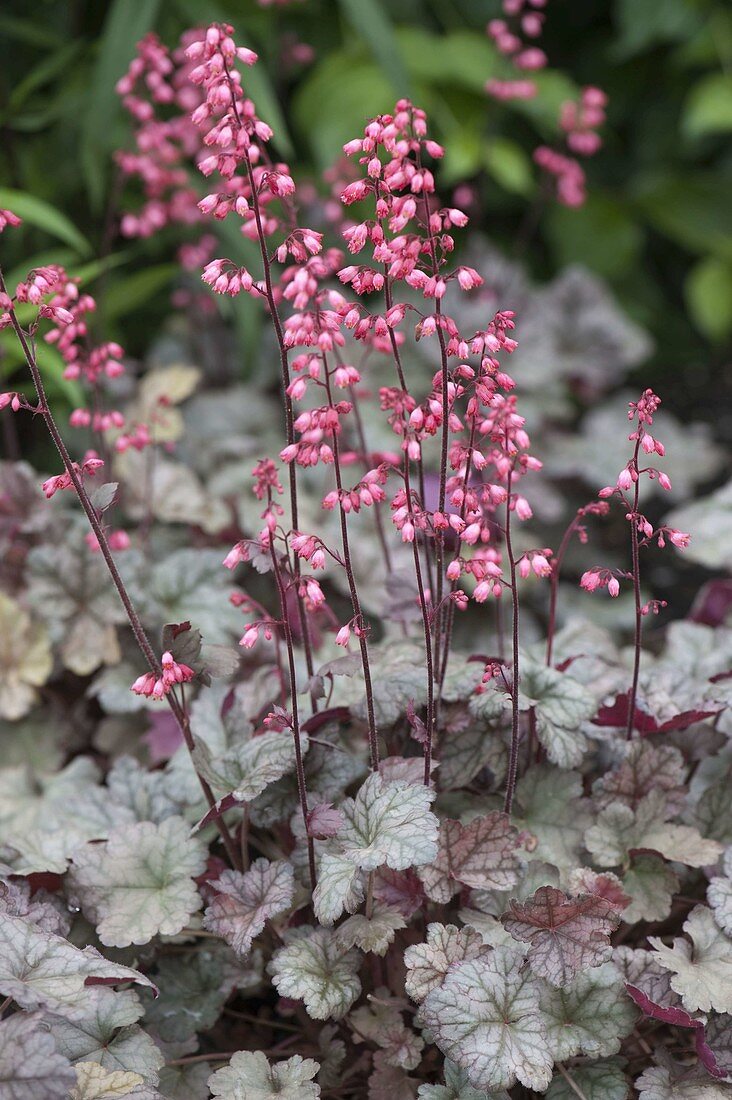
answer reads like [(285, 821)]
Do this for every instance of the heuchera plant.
[(369, 854)]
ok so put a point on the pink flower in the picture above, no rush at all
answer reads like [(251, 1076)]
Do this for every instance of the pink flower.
[(175, 672), (8, 218), (12, 399), (249, 637), (590, 580), (680, 539), (625, 479), (237, 554)]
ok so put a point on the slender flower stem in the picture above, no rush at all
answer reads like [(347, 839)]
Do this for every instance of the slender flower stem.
[(353, 589), (285, 374), (361, 434), (444, 447), (453, 584), (389, 301), (180, 714), (554, 588), (429, 654), (428, 746), (514, 753), (634, 549), (301, 787)]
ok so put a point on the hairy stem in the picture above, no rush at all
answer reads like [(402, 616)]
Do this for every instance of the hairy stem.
[(299, 767), (514, 753), (554, 588), (353, 589), (285, 375), (361, 434), (180, 714), (634, 549)]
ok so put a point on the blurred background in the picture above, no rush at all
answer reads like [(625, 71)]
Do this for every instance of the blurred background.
[(633, 289)]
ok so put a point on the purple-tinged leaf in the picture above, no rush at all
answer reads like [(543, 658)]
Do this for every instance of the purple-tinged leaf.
[(566, 934), (616, 714)]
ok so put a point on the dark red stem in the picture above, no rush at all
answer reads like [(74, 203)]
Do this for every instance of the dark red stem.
[(138, 630)]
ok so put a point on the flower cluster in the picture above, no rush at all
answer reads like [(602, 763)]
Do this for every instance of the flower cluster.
[(172, 673), (411, 241), (524, 20), (395, 409), (579, 123), (157, 80), (89, 466)]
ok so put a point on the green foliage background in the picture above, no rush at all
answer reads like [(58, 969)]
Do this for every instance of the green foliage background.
[(657, 225)]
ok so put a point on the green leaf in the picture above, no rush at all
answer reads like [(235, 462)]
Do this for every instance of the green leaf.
[(643, 26), (708, 108), (509, 165), (193, 989), (30, 1066), (32, 31), (561, 705), (603, 1080), (651, 885), (108, 1033), (249, 1076), (126, 295), (590, 1017), (339, 887), (485, 1017), (317, 970), (42, 970), (719, 894), (374, 933), (702, 968), (44, 216), (370, 19), (259, 86), (93, 1082), (694, 210), (358, 87), (620, 829), (427, 963), (551, 807), (50, 67), (248, 767), (127, 21), (389, 823), (708, 292), (457, 1087), (461, 58), (710, 518), (139, 883), (601, 234)]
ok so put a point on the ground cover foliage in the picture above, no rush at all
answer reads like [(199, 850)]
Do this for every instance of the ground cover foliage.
[(352, 742)]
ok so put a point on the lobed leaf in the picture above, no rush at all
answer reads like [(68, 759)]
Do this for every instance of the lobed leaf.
[(139, 883), (245, 902), (317, 970), (485, 1017), (567, 935), (250, 1076), (481, 854), (428, 963)]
